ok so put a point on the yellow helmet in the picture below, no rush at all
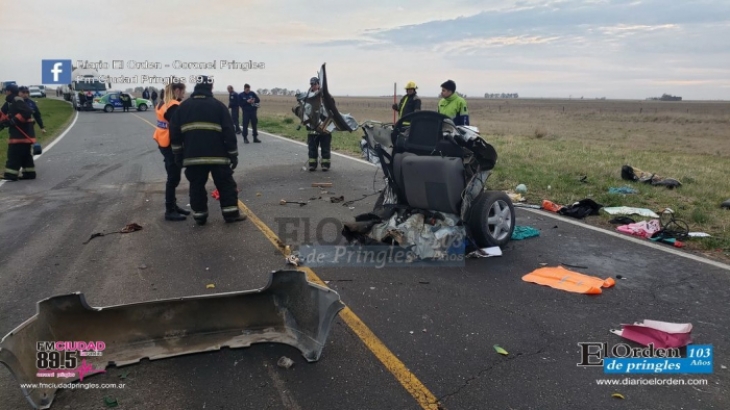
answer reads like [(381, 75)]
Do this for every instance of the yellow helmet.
[(411, 84)]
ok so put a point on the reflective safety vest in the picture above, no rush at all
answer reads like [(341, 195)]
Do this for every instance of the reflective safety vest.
[(162, 132)]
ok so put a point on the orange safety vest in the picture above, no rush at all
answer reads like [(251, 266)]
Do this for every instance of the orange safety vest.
[(162, 132)]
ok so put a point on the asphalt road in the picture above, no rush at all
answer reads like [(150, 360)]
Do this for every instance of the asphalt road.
[(441, 323)]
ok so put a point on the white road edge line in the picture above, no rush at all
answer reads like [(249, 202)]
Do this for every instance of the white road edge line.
[(637, 241), (54, 142)]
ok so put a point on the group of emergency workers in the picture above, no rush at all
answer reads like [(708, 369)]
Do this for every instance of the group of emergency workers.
[(199, 134)]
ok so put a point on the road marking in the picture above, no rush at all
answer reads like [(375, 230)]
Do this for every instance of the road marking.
[(54, 142), (395, 366), (637, 241), (408, 380), (151, 124)]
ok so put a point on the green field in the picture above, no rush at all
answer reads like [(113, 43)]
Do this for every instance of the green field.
[(56, 116)]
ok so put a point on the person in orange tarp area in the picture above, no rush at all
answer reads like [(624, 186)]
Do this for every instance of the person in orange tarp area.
[(564, 279)]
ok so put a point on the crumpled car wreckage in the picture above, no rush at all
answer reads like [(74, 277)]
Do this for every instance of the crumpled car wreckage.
[(289, 310), (317, 109), (435, 199)]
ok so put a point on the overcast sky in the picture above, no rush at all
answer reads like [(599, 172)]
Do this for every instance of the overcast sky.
[(600, 48)]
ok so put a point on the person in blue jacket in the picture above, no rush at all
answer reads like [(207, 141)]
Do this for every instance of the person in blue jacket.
[(234, 104), (249, 105)]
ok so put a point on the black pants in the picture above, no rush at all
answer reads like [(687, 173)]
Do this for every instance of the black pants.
[(234, 116), (125, 107), (249, 117), (20, 156), (223, 180), (315, 141), (174, 173)]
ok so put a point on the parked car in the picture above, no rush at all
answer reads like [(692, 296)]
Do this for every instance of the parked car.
[(35, 92), (111, 101)]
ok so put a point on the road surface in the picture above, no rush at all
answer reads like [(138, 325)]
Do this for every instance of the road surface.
[(438, 325)]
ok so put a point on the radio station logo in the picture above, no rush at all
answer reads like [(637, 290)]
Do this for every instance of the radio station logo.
[(67, 359)]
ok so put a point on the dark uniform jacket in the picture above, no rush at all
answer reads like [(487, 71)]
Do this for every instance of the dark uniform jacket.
[(233, 100), (248, 107), (17, 110), (408, 104), (201, 130)]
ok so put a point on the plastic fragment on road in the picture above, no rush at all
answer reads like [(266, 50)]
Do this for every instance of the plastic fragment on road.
[(524, 232), (567, 280), (210, 286), (618, 396), (285, 362), (551, 206), (627, 210), (486, 252), (499, 350), (662, 335)]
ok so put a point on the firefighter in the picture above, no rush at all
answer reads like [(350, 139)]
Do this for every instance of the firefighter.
[(410, 102), (204, 142), (164, 112), (452, 104), (250, 105), (24, 93), (15, 115), (234, 105), (317, 139)]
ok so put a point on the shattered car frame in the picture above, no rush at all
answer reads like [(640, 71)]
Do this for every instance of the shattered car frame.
[(289, 310)]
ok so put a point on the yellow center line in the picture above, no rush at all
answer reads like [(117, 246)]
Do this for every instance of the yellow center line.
[(425, 398)]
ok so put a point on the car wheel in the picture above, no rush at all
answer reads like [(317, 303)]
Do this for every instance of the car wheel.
[(142, 107), (108, 108), (492, 219)]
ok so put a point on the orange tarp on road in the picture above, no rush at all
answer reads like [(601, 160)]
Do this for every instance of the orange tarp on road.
[(564, 279)]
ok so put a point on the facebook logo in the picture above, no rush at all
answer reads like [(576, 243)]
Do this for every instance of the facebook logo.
[(56, 71)]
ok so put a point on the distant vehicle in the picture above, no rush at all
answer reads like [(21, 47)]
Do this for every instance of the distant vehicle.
[(42, 88), (35, 92), (83, 81), (111, 101), (4, 85)]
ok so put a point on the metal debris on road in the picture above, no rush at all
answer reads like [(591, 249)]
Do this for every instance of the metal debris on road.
[(285, 362), (292, 260), (284, 202), (486, 252), (337, 199), (133, 227), (322, 184)]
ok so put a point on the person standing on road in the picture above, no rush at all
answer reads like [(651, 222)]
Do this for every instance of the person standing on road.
[(164, 112), (154, 97), (204, 142), (315, 138), (250, 105), (15, 115), (234, 104), (410, 102), (146, 94), (126, 101), (452, 104), (24, 93)]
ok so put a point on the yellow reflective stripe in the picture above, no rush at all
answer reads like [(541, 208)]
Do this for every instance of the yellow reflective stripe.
[(176, 146), (29, 169), (233, 152), (11, 171), (206, 161), (403, 106), (230, 209), (211, 126)]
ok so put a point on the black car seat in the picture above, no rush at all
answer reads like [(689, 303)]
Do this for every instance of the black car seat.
[(427, 167)]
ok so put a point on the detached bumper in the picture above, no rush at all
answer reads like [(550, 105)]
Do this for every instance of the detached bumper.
[(289, 310)]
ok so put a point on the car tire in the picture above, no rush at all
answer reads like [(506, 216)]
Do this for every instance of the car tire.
[(108, 108), (491, 219), (142, 107)]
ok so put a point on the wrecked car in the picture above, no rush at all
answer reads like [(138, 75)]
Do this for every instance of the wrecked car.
[(289, 310), (435, 192)]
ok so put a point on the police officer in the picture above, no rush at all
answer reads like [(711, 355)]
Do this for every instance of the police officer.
[(234, 104), (204, 142), (164, 112), (250, 105), (317, 139), (24, 93), (15, 115), (410, 102)]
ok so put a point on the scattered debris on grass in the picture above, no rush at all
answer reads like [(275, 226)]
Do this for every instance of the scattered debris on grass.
[(626, 210), (629, 173), (624, 190), (581, 209)]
